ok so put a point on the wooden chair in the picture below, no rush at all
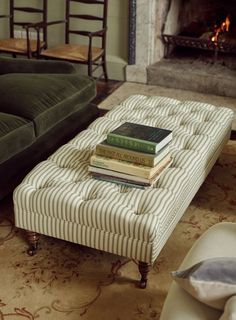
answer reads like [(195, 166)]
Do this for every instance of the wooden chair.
[(24, 46), (87, 52)]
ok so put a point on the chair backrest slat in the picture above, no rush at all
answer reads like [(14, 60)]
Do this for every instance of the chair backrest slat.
[(28, 9), (42, 12), (4, 16), (79, 32), (89, 1), (85, 17)]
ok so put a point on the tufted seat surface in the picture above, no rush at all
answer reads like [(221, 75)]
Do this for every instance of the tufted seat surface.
[(60, 199)]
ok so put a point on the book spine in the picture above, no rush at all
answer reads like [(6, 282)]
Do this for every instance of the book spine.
[(128, 178), (130, 143), (125, 155), (118, 165), (120, 175), (123, 183)]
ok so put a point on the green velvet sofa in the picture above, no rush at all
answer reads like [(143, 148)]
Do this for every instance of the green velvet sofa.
[(43, 104)]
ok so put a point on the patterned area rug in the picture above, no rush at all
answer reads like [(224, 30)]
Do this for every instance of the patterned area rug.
[(68, 281)]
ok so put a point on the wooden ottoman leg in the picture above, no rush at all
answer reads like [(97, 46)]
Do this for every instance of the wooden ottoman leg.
[(32, 238), (144, 268)]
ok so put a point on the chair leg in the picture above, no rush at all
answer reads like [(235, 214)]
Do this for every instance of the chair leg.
[(90, 67), (32, 238), (104, 67), (144, 268)]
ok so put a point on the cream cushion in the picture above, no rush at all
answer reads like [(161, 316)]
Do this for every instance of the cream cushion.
[(218, 241)]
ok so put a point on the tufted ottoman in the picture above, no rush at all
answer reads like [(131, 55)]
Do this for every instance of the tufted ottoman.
[(58, 197)]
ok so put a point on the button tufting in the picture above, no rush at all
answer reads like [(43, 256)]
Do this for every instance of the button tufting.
[(60, 199)]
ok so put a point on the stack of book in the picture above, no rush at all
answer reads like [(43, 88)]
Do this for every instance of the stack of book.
[(134, 155)]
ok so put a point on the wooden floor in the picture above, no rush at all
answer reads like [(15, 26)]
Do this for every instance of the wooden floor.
[(105, 88)]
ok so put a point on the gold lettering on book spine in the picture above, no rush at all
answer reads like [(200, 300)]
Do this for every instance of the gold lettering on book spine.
[(124, 156), (131, 144)]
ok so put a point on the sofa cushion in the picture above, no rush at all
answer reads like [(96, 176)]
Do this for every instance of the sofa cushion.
[(45, 99), (15, 135), (13, 65)]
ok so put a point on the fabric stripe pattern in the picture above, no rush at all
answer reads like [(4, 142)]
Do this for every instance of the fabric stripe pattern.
[(58, 197)]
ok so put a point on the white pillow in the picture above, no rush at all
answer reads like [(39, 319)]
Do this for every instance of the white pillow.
[(212, 281)]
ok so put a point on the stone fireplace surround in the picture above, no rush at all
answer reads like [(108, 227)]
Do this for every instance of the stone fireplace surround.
[(148, 20)]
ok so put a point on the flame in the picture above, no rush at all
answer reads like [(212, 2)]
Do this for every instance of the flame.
[(224, 27)]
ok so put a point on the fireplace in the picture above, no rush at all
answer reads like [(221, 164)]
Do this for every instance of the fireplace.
[(205, 25), (189, 26)]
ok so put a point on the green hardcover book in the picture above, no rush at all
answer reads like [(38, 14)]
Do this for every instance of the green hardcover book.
[(139, 137), (147, 159)]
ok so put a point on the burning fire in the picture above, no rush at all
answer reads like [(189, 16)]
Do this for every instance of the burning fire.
[(224, 27)]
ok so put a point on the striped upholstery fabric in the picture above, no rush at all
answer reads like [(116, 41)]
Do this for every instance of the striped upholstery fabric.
[(58, 197)]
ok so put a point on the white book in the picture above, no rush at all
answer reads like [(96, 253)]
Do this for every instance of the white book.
[(127, 167), (109, 175)]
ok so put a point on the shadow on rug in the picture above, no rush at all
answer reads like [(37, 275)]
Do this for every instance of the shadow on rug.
[(68, 281)]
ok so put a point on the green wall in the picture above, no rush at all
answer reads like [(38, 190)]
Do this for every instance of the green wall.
[(117, 41), (117, 36)]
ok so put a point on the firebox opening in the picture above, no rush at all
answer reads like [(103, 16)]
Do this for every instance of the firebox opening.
[(202, 26)]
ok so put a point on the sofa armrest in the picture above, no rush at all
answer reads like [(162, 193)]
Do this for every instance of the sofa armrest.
[(15, 65)]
